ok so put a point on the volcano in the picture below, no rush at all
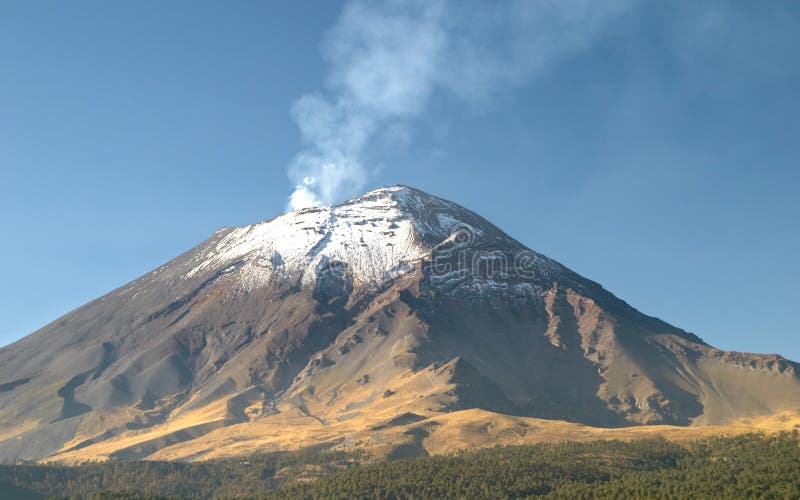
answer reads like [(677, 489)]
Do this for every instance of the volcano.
[(336, 324)]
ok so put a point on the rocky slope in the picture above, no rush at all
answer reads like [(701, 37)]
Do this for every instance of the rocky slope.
[(396, 304)]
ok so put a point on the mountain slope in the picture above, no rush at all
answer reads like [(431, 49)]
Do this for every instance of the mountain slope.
[(394, 303)]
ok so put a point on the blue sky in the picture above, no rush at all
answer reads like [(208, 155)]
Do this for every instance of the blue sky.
[(654, 151)]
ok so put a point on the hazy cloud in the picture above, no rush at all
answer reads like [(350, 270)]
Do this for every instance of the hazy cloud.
[(388, 58)]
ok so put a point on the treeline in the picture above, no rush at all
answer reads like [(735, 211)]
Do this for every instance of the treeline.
[(240, 477), (752, 466)]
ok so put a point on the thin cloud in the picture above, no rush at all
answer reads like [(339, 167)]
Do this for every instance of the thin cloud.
[(388, 58)]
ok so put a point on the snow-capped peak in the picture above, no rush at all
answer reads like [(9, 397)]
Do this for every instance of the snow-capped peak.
[(376, 235)]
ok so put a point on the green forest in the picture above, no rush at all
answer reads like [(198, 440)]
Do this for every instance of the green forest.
[(753, 466)]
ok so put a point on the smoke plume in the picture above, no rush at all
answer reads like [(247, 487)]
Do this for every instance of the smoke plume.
[(387, 58)]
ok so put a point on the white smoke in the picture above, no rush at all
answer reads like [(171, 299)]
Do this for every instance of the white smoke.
[(388, 57)]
